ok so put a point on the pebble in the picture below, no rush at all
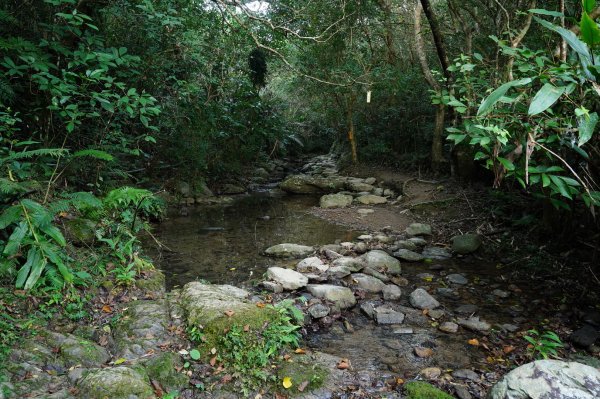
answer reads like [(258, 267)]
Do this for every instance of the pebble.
[(418, 241), (462, 392), (318, 311), (384, 315), (408, 255), (425, 276), (465, 374), (457, 279), (391, 292), (436, 253), (431, 373), (399, 281), (423, 352), (436, 314), (467, 309), (449, 327), (474, 324), (421, 299), (447, 293), (272, 287), (365, 237), (509, 327), (500, 293), (404, 330)]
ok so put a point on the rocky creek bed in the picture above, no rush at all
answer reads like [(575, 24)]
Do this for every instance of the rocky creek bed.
[(382, 307)]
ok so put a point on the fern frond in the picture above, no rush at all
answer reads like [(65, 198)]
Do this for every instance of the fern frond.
[(97, 154), (82, 199), (50, 152), (59, 206), (10, 187), (11, 215)]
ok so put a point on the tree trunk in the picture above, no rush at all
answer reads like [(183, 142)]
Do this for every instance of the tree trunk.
[(351, 137), (437, 145), (438, 39), (386, 7)]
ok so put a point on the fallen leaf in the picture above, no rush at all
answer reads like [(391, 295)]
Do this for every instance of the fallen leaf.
[(158, 391), (303, 386), (287, 382), (226, 378), (474, 342), (106, 309), (286, 357), (120, 361), (261, 305), (247, 328), (213, 351), (343, 364), (300, 351), (423, 352), (508, 349), (399, 381), (213, 361), (229, 313)]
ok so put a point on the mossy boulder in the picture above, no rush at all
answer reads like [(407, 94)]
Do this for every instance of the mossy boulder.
[(116, 383), (424, 390), (466, 243), (81, 231), (152, 283), (75, 350), (162, 368), (303, 370)]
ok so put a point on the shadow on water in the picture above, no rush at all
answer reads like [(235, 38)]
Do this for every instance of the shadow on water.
[(223, 243)]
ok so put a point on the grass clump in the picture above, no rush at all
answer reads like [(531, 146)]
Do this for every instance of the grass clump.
[(424, 390)]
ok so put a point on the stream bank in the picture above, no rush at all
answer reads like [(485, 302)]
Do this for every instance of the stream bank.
[(383, 303)]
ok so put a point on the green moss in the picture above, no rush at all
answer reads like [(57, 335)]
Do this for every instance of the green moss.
[(424, 390), (301, 371), (81, 231), (162, 369), (154, 282)]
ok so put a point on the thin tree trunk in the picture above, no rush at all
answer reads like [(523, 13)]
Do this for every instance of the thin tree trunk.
[(437, 145), (438, 39), (351, 136), (386, 7), (563, 42), (516, 41)]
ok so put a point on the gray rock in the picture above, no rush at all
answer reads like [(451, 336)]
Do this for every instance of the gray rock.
[(385, 315), (436, 313), (371, 199), (436, 253), (361, 248), (378, 191), (311, 265), (289, 279), (339, 272), (418, 229), (382, 238), (585, 336), (364, 212), (418, 241), (372, 272), (318, 311), (289, 251), (300, 184), (466, 243), (405, 244), (381, 261), (509, 327), (392, 292), (465, 374), (474, 324), (449, 327), (549, 379), (272, 286), (232, 189), (368, 283), (359, 186), (205, 303), (368, 308), (421, 299), (370, 180), (365, 237), (462, 392), (341, 297), (336, 201), (500, 293), (115, 383), (408, 255), (467, 309), (457, 279), (447, 293), (352, 264), (404, 331)]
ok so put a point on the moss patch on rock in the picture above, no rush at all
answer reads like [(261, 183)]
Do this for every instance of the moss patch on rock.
[(162, 368), (115, 383), (153, 282), (424, 390), (301, 371)]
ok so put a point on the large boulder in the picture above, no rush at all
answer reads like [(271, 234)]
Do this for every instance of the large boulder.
[(336, 201), (421, 299), (289, 279), (368, 283), (371, 199), (350, 263), (549, 379), (418, 229), (115, 383), (205, 303), (299, 184), (359, 185), (381, 261), (341, 297), (289, 251), (311, 265)]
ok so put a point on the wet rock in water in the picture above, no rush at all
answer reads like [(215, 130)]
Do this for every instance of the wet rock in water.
[(447, 293), (449, 327), (436, 313), (465, 374), (331, 254), (115, 383), (585, 336), (372, 272), (368, 308), (341, 297), (404, 331), (405, 244), (368, 283), (335, 201), (408, 255), (467, 309), (474, 324), (549, 379), (364, 212), (365, 237), (339, 272), (361, 248), (418, 241), (425, 276), (500, 293), (272, 286), (380, 260), (352, 264), (392, 292), (466, 243), (386, 315), (371, 199), (418, 229), (457, 279), (232, 189), (436, 267), (436, 253), (431, 373), (300, 184), (359, 185), (311, 265), (399, 281), (421, 299), (318, 311), (423, 352), (289, 279), (289, 251)]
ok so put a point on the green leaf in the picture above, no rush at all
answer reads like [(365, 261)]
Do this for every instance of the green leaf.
[(560, 185), (507, 164), (580, 47), (102, 155), (545, 180), (588, 5), (541, 11), (590, 33), (15, 239), (54, 233), (493, 98), (195, 354), (37, 267), (545, 98), (587, 125)]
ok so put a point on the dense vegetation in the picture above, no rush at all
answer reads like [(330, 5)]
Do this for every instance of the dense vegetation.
[(105, 103)]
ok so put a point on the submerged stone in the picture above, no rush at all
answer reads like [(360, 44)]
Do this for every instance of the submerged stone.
[(341, 297), (336, 201), (381, 261), (287, 250)]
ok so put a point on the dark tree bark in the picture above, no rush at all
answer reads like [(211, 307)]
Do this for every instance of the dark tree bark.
[(438, 39)]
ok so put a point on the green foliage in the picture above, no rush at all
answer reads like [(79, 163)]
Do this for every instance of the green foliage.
[(424, 390), (543, 346)]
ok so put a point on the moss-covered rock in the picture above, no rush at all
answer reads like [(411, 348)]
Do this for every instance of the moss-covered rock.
[(303, 370), (75, 350), (152, 283), (115, 383), (81, 231), (424, 390), (162, 368)]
